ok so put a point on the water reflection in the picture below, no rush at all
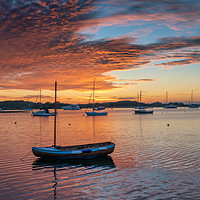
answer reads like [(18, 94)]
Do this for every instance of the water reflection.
[(104, 161), (50, 165)]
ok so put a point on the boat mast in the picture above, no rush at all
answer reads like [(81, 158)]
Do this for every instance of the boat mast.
[(40, 97), (93, 93), (55, 113), (192, 97), (140, 96)]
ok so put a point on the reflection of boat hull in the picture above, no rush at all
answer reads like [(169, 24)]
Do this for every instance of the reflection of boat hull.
[(143, 111), (79, 151), (96, 113), (40, 163), (42, 113)]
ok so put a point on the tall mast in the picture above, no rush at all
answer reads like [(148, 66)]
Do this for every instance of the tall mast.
[(192, 97), (140, 96), (40, 97), (93, 92), (55, 113)]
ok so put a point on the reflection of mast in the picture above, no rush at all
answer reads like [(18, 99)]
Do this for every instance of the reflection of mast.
[(55, 113), (40, 131), (93, 120), (41, 164), (140, 123), (166, 97), (55, 183), (93, 93)]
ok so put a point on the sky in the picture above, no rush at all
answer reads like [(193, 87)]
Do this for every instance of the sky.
[(127, 46)]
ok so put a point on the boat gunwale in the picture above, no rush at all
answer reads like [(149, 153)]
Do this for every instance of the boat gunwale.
[(93, 146)]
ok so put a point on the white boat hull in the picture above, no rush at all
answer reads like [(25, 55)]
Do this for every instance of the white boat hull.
[(96, 113), (42, 113)]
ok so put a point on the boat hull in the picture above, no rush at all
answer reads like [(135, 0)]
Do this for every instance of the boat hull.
[(96, 113), (51, 152), (42, 114), (193, 106), (143, 111)]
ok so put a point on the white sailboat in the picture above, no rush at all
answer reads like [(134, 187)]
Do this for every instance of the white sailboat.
[(140, 109), (73, 152), (192, 105), (71, 107), (95, 111), (43, 112), (169, 105)]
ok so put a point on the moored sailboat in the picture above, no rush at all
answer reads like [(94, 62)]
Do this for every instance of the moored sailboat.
[(170, 105), (43, 112), (72, 152), (192, 105), (94, 111), (140, 109)]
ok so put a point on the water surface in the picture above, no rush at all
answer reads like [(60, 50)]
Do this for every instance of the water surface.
[(156, 156)]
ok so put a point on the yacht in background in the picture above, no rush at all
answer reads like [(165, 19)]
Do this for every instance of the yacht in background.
[(191, 105), (169, 105), (43, 113), (94, 111), (71, 107), (140, 109)]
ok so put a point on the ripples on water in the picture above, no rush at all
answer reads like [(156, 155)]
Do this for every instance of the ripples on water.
[(151, 160)]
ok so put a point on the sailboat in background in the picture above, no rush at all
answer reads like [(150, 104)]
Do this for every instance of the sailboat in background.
[(169, 105), (71, 107), (140, 109), (139, 96), (43, 112), (191, 105), (94, 111), (28, 107), (73, 152)]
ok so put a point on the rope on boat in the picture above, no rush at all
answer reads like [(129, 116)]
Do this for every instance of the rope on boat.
[(25, 156)]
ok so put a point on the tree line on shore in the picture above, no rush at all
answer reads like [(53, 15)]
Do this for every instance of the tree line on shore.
[(20, 105)]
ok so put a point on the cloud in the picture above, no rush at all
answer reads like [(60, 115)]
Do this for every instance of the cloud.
[(41, 41)]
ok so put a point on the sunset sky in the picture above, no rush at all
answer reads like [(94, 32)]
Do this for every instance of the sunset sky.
[(126, 45)]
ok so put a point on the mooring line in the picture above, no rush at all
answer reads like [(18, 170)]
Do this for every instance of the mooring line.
[(25, 156)]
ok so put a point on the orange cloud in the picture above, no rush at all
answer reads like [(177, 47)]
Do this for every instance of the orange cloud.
[(41, 42)]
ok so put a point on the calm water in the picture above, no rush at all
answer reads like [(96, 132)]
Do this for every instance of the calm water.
[(151, 160)]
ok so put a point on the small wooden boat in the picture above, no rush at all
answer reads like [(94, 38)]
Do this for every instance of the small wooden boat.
[(72, 152), (78, 151)]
